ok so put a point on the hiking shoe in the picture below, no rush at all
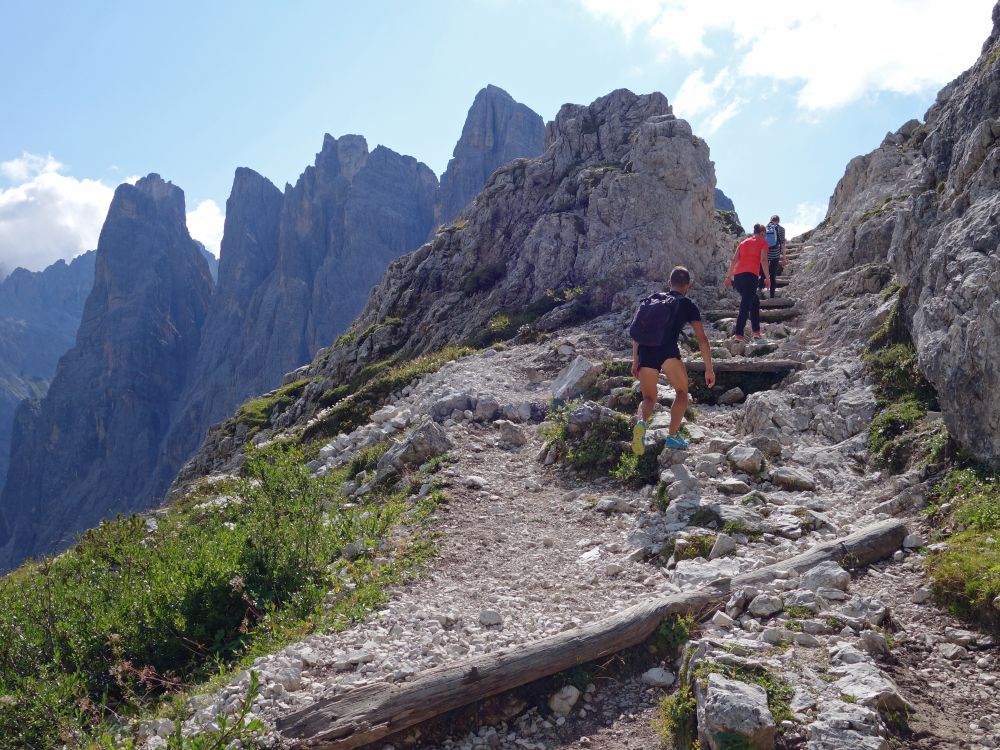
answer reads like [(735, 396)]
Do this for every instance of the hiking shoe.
[(738, 338), (676, 442), (638, 435), (757, 335)]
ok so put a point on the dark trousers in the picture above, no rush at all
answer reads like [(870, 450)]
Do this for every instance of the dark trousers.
[(746, 285), (772, 267)]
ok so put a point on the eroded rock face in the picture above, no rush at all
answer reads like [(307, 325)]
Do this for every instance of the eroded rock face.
[(87, 449), (926, 204), (623, 192), (497, 131)]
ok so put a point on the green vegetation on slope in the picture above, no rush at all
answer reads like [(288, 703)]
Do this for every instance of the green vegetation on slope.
[(137, 611), (899, 434), (966, 575)]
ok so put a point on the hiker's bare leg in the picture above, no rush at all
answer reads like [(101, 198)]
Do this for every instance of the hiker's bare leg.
[(648, 379), (676, 373)]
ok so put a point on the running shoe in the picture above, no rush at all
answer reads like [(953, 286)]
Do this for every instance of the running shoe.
[(738, 338), (676, 442), (638, 435), (757, 335)]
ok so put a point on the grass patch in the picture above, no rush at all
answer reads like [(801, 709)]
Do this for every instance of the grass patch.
[(676, 720), (636, 471), (993, 56), (695, 545), (354, 402), (877, 210), (130, 616), (256, 413), (799, 612), (366, 459), (966, 576), (898, 435), (674, 632)]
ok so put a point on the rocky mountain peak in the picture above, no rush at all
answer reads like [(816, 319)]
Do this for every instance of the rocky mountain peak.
[(87, 449), (342, 156), (497, 130)]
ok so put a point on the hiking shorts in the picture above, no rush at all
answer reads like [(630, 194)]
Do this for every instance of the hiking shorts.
[(655, 356)]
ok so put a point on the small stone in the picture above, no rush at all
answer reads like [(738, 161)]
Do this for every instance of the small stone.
[(724, 545), (474, 482), (722, 620), (490, 617), (913, 540), (658, 677), (765, 605), (806, 639), (562, 703), (826, 575), (733, 487), (793, 479), (510, 433), (874, 643), (952, 651), (732, 396), (613, 569), (745, 458)]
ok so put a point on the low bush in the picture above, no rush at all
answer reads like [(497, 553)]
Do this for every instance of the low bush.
[(133, 613), (966, 574)]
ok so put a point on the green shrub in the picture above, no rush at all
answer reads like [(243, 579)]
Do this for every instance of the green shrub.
[(889, 440), (966, 575), (676, 721), (366, 459), (636, 471), (129, 615), (897, 375), (671, 634)]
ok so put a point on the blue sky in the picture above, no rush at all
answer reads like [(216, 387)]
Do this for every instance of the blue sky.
[(94, 93)]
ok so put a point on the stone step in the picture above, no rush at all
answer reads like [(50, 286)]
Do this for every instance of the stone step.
[(746, 365), (777, 303), (769, 316)]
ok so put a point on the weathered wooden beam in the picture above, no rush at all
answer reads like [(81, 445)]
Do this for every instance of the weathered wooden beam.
[(369, 713), (746, 365)]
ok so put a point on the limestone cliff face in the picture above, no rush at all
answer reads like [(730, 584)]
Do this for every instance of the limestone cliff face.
[(622, 192), (87, 449), (926, 205), (497, 131), (39, 314), (295, 270)]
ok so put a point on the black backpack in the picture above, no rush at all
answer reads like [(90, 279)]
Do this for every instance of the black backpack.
[(655, 315)]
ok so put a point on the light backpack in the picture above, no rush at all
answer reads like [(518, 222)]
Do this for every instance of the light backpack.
[(655, 314), (772, 235)]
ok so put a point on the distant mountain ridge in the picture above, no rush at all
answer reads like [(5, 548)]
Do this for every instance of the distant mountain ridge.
[(295, 269), (39, 316)]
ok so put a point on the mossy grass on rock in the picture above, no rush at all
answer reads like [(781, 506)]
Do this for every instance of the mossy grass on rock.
[(966, 572)]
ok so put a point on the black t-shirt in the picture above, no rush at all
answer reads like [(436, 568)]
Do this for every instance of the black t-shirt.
[(687, 312)]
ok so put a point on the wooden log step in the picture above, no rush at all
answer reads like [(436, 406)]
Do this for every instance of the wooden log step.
[(777, 303), (746, 365), (369, 713), (769, 316)]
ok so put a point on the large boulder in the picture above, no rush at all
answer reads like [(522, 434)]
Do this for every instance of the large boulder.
[(868, 686), (575, 378), (421, 445), (730, 711)]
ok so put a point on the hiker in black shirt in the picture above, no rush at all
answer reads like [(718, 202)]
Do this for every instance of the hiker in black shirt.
[(649, 361), (775, 252)]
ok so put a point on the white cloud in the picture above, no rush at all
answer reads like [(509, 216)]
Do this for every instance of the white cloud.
[(205, 225), (724, 115), (696, 95), (805, 217), (28, 166), (46, 215), (832, 53)]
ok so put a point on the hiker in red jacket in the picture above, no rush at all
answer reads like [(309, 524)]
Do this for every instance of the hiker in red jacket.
[(750, 257)]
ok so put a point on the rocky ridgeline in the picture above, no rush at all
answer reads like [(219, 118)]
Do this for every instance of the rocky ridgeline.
[(923, 209), (622, 192)]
